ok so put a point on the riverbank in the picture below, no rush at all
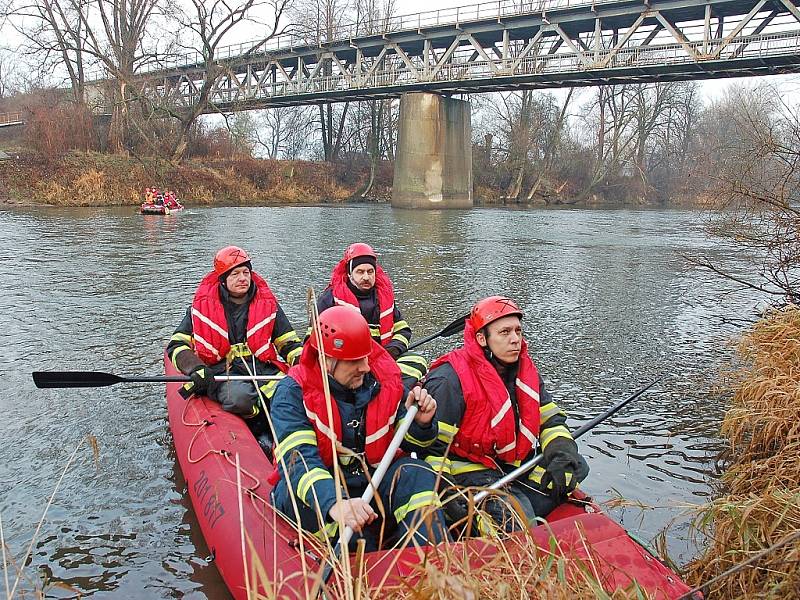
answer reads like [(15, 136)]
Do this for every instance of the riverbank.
[(95, 179), (754, 527)]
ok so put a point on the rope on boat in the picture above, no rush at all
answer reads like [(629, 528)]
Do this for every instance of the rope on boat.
[(224, 453)]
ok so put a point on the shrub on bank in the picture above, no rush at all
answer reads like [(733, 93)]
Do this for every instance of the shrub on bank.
[(758, 519), (94, 179)]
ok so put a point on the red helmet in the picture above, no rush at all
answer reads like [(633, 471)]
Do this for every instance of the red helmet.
[(359, 249), (345, 333), (490, 309), (229, 258)]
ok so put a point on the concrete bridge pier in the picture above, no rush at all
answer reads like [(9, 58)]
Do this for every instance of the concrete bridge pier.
[(433, 162)]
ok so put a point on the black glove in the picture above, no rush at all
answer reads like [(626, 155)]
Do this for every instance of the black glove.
[(561, 457), (202, 378), (394, 351)]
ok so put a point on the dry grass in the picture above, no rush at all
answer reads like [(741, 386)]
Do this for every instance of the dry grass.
[(94, 179), (762, 504)]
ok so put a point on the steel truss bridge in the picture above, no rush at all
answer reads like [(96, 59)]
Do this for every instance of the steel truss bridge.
[(495, 46)]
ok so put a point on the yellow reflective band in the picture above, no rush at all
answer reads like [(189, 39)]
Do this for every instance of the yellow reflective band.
[(460, 467), (289, 336), (328, 531), (177, 351), (551, 433), (410, 438), (417, 501), (447, 432), (292, 357), (439, 463), (238, 351), (400, 338), (414, 359), (547, 411), (536, 474), (486, 526), (375, 331), (182, 337), (400, 325), (293, 440), (268, 389), (410, 371), (309, 479)]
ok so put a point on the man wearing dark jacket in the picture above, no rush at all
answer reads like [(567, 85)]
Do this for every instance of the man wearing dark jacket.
[(369, 398), (493, 412), (234, 326), (358, 280)]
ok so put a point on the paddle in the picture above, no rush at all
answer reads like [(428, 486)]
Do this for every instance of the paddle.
[(524, 468), (71, 379), (453, 328), (375, 481)]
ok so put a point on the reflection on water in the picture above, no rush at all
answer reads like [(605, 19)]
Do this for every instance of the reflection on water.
[(610, 305)]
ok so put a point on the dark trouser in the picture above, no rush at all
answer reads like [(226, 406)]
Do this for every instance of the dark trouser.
[(407, 504), (516, 507), (241, 398), (237, 397)]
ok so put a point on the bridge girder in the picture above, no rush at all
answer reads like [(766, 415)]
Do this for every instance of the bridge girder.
[(592, 44)]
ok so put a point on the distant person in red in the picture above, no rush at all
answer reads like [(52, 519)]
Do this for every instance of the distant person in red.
[(170, 201)]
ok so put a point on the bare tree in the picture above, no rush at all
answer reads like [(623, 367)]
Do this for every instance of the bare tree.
[(285, 131), (320, 21), (3, 77), (211, 26), (752, 163), (54, 37)]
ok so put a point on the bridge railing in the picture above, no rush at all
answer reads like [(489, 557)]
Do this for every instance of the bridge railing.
[(10, 118), (349, 30)]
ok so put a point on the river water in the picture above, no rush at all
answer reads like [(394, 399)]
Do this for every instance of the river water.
[(610, 301)]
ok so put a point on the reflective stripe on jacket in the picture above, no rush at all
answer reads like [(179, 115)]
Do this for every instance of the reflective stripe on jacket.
[(490, 428)]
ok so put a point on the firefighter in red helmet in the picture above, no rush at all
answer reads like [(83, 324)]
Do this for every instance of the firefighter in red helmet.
[(234, 326), (494, 413), (358, 280), (369, 396)]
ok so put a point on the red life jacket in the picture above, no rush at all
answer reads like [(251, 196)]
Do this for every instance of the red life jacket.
[(210, 325), (381, 410), (488, 429), (384, 290)]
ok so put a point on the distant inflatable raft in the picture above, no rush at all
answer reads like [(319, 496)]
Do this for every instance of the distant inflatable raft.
[(260, 553), (158, 209)]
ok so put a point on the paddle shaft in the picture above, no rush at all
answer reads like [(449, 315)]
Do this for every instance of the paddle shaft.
[(454, 327), (375, 481), (525, 467)]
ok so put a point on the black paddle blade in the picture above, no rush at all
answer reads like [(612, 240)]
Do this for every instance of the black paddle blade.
[(71, 379), (456, 326)]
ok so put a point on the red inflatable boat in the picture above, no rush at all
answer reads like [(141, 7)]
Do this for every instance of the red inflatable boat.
[(255, 548)]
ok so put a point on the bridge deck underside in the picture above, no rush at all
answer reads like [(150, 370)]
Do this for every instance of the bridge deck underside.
[(614, 42)]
